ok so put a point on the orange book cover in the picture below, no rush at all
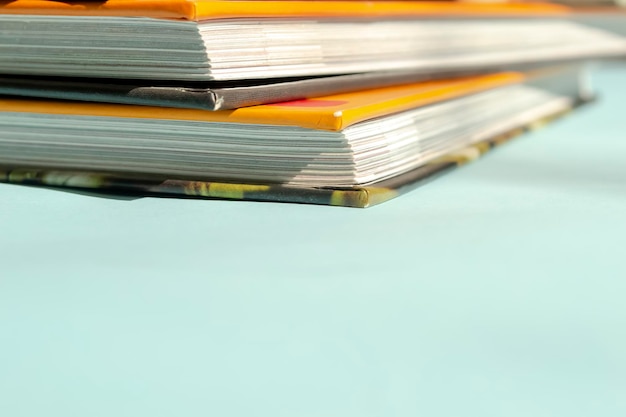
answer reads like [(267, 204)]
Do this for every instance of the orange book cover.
[(333, 113), (198, 10)]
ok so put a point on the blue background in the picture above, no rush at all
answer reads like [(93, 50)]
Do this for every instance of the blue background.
[(496, 290)]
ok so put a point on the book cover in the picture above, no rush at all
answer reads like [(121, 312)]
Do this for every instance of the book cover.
[(201, 96), (199, 10), (332, 113)]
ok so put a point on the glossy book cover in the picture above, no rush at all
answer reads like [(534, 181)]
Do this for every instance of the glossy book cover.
[(332, 113), (199, 10)]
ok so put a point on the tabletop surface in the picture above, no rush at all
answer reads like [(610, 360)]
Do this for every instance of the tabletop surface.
[(496, 290)]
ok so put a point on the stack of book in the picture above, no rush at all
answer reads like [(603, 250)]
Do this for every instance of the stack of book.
[(329, 102)]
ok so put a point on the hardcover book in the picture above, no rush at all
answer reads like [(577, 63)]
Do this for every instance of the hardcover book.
[(228, 54), (354, 149)]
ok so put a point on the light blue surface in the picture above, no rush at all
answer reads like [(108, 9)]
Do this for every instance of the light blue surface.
[(497, 290)]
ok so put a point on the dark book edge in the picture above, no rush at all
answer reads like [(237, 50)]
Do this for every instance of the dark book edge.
[(229, 97)]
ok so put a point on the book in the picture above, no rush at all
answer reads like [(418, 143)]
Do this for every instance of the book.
[(353, 149), (189, 41)]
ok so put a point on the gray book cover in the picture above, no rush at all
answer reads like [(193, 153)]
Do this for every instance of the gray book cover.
[(218, 96)]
